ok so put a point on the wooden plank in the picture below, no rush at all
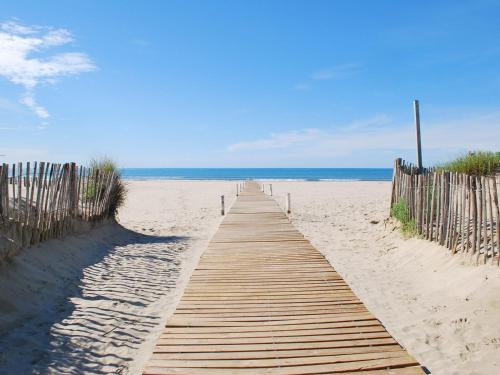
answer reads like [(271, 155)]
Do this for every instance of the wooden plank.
[(273, 346), (485, 218), (463, 236), (281, 354), (497, 215), (430, 235), (474, 214), (275, 329), (479, 216), (302, 370), (276, 362), (359, 335), (19, 193), (327, 366), (193, 333), (14, 211), (490, 180), (469, 212)]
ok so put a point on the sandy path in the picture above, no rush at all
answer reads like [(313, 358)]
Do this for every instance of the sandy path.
[(445, 313), (95, 303)]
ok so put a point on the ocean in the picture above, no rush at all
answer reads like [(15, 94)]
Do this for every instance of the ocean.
[(305, 174)]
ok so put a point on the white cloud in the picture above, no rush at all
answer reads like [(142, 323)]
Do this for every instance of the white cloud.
[(29, 101), (379, 119), (15, 28), (140, 42), (336, 72), (278, 140), (375, 138), (19, 42), (302, 87), (313, 136), (14, 155)]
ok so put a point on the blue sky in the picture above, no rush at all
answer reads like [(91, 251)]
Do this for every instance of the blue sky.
[(247, 83)]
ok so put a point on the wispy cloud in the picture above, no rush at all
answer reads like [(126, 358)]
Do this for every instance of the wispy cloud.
[(312, 136), (139, 42), (278, 140), (12, 155), (18, 42), (378, 120), (302, 87), (337, 72), (379, 133)]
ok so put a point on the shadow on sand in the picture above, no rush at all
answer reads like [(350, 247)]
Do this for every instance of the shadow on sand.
[(109, 310)]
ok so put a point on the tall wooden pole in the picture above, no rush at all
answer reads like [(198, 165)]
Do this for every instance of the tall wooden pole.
[(417, 127)]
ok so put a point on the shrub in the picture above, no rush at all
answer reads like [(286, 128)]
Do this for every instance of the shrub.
[(400, 212), (118, 192), (479, 163)]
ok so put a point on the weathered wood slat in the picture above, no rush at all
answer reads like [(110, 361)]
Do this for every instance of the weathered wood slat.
[(328, 366)]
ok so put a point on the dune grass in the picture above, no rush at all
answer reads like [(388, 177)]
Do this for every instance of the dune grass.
[(400, 212), (479, 163), (118, 192)]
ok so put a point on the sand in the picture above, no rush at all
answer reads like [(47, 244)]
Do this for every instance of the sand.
[(96, 302)]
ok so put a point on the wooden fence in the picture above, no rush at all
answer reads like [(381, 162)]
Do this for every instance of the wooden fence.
[(40, 201), (456, 210)]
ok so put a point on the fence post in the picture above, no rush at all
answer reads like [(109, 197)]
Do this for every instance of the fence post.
[(395, 182), (222, 211), (237, 187), (73, 181), (1, 193), (271, 189), (416, 108), (497, 214), (288, 203)]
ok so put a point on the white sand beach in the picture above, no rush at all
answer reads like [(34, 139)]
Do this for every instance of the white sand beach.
[(96, 302)]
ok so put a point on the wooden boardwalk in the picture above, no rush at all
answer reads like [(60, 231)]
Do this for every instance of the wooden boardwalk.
[(263, 300)]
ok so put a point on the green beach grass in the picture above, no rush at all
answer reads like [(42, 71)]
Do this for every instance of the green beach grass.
[(119, 191), (479, 163)]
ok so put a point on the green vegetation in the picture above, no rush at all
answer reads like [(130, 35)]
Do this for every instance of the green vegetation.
[(118, 193), (400, 212), (479, 163)]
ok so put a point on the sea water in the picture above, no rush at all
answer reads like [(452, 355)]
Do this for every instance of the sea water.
[(306, 174)]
